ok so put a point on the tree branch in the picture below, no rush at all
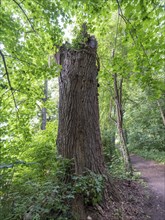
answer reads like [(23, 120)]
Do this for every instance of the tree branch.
[(9, 82), (23, 11), (4, 93), (127, 21), (114, 120), (39, 107), (16, 58)]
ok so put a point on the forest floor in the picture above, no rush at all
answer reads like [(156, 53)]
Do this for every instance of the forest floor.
[(140, 199), (154, 175)]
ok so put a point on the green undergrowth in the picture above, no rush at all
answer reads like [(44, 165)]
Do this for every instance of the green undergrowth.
[(31, 196), (152, 154), (116, 167)]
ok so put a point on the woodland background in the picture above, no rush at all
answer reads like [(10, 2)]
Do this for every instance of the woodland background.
[(131, 46)]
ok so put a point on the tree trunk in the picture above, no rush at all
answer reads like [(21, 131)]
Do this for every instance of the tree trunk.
[(79, 132), (43, 110), (162, 112), (119, 110)]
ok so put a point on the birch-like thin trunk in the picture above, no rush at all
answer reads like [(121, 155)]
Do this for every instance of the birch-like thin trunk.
[(119, 111), (162, 112), (43, 110)]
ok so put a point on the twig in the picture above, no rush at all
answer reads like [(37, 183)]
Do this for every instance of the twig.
[(117, 28), (39, 107), (23, 11), (9, 82), (38, 3), (16, 58), (113, 119), (127, 21), (4, 93)]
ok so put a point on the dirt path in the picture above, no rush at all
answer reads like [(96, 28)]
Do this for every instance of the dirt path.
[(154, 175)]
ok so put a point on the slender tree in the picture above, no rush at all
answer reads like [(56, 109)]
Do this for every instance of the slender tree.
[(119, 122), (43, 110), (162, 111)]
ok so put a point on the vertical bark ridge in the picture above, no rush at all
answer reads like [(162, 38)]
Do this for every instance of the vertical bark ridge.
[(79, 133)]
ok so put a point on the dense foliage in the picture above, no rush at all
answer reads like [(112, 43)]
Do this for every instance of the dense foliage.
[(131, 43)]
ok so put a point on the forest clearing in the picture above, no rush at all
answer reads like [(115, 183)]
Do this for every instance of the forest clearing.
[(82, 110)]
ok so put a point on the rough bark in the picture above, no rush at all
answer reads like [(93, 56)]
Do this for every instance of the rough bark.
[(79, 132), (119, 111)]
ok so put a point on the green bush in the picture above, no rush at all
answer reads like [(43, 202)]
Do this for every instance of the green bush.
[(90, 185), (108, 141), (34, 197), (49, 196)]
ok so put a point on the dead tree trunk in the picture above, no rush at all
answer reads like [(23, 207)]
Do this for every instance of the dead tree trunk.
[(79, 132), (119, 111)]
